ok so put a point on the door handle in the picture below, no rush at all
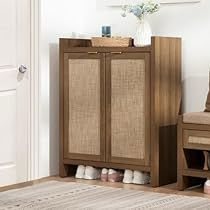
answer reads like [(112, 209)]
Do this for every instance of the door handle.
[(116, 52), (22, 69), (92, 52)]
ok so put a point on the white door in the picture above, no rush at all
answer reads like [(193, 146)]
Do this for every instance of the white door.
[(14, 90)]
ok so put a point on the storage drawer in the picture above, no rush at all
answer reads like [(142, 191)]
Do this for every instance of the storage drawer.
[(193, 139)]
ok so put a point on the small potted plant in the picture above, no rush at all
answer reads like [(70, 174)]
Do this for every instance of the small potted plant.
[(141, 10)]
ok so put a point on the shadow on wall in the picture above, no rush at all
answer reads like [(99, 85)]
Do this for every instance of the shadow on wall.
[(54, 108), (193, 100)]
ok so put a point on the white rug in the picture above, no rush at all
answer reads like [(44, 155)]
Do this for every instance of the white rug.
[(55, 195)]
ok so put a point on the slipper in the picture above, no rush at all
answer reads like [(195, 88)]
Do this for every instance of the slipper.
[(115, 176), (104, 175)]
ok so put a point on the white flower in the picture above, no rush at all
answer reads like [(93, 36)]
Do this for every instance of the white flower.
[(142, 9)]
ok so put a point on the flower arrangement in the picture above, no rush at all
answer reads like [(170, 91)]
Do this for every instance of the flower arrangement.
[(141, 9)]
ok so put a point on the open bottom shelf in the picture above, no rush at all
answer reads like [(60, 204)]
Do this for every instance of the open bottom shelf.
[(196, 173)]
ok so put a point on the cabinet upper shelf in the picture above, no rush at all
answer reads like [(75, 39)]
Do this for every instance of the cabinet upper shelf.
[(84, 45)]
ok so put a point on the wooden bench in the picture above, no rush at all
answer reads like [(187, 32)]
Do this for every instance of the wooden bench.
[(192, 149)]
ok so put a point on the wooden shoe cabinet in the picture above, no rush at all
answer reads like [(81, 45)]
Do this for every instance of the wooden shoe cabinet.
[(119, 106)]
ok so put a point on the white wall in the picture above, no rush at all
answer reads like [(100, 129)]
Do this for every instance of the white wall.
[(64, 18)]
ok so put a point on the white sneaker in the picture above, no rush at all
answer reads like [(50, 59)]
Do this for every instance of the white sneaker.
[(141, 177), (128, 176), (91, 173), (80, 172)]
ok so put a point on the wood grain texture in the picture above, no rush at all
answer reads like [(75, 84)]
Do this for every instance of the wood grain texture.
[(63, 169), (202, 118), (193, 139), (63, 45), (166, 105), (74, 43), (181, 162), (163, 104), (195, 173), (73, 162)]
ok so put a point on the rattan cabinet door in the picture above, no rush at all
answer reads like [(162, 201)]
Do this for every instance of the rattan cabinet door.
[(128, 108), (84, 110)]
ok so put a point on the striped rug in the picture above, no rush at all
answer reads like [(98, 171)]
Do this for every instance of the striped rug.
[(56, 195)]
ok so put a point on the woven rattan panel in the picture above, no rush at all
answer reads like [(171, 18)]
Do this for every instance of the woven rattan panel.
[(128, 108), (199, 140), (84, 106)]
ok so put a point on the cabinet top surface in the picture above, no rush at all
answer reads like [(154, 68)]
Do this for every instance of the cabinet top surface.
[(84, 45)]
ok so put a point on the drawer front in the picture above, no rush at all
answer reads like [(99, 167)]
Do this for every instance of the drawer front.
[(196, 139)]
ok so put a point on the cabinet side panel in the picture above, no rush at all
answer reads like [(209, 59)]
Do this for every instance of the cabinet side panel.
[(166, 105), (62, 168), (84, 106), (128, 108)]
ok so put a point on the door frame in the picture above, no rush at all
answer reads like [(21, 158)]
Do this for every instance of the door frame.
[(33, 142)]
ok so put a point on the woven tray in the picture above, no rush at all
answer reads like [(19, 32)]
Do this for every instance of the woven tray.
[(111, 42)]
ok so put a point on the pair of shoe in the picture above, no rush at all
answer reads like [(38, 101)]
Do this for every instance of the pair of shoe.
[(136, 177), (111, 175), (87, 172)]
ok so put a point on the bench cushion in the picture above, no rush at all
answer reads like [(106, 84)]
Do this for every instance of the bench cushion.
[(197, 118)]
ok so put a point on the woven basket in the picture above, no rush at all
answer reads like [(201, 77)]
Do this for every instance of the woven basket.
[(111, 42)]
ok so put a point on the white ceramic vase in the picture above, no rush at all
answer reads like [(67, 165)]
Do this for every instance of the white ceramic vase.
[(143, 33)]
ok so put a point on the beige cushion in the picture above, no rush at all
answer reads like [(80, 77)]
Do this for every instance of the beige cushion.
[(197, 118)]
